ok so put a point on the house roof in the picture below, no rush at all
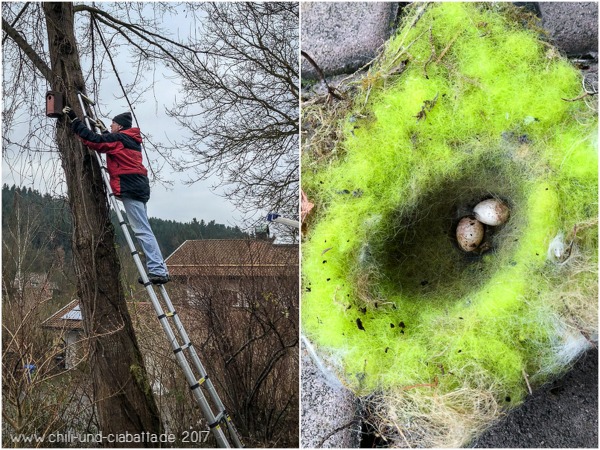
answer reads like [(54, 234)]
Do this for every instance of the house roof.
[(66, 318), (69, 316), (142, 314), (233, 257)]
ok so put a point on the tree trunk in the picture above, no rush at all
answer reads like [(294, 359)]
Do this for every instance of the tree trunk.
[(122, 391)]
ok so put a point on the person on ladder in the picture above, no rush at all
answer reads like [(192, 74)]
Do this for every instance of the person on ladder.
[(128, 180)]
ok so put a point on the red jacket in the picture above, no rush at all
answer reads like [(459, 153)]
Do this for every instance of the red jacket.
[(128, 176)]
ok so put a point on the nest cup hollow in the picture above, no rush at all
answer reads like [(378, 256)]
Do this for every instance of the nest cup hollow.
[(415, 252)]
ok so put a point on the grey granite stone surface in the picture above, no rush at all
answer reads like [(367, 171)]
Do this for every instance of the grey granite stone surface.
[(330, 416), (561, 414), (573, 26), (341, 37)]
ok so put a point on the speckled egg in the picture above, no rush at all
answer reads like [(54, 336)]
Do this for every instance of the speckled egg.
[(492, 212), (469, 233)]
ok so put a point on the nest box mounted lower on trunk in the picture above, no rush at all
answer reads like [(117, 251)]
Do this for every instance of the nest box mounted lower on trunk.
[(54, 104)]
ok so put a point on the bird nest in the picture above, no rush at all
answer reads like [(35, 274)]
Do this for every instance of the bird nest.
[(465, 103)]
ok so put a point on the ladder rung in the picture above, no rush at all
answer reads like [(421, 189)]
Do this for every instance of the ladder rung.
[(167, 314), (217, 421), (183, 347), (200, 381)]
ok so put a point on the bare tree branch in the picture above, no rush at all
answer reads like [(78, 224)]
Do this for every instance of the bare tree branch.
[(242, 104), (138, 30), (16, 19), (38, 62)]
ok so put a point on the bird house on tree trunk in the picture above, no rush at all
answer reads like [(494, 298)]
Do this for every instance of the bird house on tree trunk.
[(54, 104)]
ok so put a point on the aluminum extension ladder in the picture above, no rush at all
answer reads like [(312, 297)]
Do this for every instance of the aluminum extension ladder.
[(197, 384)]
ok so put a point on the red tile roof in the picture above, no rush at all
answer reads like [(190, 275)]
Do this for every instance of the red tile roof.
[(142, 314), (233, 257), (58, 320)]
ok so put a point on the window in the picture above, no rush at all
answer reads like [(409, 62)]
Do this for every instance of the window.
[(235, 298)]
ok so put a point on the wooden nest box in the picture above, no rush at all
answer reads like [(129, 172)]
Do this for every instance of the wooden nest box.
[(55, 102)]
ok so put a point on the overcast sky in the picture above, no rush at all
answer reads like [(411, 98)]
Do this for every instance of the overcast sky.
[(180, 202)]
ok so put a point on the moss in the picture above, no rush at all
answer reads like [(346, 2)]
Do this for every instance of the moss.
[(141, 379), (477, 112)]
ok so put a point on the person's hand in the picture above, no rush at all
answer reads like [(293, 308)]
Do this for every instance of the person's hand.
[(70, 113), (100, 125)]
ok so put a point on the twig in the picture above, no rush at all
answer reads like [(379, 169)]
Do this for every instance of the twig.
[(419, 14), (112, 62), (432, 53), (337, 430), (433, 385), (402, 434), (312, 62), (427, 106), (368, 94), (448, 46), (33, 56), (14, 22), (527, 381), (402, 51), (584, 95)]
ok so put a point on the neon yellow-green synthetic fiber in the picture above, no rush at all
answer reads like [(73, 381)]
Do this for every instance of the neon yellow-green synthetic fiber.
[(387, 296)]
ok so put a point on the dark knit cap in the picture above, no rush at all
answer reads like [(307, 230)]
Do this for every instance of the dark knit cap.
[(123, 119)]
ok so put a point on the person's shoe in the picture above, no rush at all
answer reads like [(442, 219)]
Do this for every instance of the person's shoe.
[(156, 279)]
